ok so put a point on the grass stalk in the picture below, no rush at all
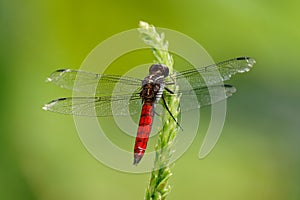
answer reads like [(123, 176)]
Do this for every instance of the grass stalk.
[(159, 187)]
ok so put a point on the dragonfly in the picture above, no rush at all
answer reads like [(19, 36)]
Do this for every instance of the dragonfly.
[(142, 95)]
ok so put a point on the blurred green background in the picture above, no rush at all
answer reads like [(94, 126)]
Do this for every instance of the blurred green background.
[(257, 156)]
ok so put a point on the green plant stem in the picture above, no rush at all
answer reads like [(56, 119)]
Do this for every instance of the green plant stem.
[(158, 187)]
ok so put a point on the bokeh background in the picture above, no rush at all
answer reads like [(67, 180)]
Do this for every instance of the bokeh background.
[(257, 156)]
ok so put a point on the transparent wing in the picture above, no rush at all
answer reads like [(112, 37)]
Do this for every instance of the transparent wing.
[(90, 83), (204, 96), (101, 106), (193, 78)]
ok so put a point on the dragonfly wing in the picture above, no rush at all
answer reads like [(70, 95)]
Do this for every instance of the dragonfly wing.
[(204, 96), (90, 83), (194, 78), (101, 106)]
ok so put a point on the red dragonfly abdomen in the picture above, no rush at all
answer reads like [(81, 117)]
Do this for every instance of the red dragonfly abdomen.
[(143, 132)]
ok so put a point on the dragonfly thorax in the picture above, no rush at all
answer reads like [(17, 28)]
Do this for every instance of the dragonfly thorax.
[(157, 74), (153, 84), (150, 92)]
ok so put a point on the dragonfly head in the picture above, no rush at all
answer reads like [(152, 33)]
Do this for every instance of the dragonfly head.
[(159, 69)]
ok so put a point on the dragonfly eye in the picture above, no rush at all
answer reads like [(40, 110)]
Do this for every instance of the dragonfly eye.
[(159, 69)]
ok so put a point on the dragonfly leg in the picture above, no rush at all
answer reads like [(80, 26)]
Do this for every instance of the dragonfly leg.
[(169, 90), (172, 82), (166, 106)]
